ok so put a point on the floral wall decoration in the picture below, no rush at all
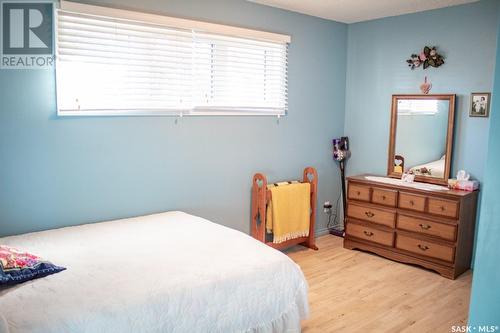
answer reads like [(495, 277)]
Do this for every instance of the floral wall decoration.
[(428, 57)]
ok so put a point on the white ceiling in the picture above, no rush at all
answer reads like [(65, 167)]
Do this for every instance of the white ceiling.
[(351, 11)]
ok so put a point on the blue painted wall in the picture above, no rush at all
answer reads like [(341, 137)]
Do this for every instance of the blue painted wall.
[(485, 301), (377, 50), (60, 171)]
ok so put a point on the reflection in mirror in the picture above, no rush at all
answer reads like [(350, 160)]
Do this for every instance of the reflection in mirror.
[(421, 137)]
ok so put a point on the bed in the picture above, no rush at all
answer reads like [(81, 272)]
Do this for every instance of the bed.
[(435, 168), (168, 272)]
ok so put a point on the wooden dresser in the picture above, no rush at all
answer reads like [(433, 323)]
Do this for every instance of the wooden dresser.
[(430, 228)]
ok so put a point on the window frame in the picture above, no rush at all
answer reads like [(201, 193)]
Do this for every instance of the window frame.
[(175, 23)]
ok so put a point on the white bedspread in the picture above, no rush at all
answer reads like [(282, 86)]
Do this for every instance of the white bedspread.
[(436, 168), (169, 272)]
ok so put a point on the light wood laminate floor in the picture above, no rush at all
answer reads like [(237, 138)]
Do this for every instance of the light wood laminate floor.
[(354, 291)]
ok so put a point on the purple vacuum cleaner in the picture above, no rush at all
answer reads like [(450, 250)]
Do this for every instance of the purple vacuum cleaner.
[(341, 153)]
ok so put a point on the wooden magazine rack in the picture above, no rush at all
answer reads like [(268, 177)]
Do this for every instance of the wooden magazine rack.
[(261, 197)]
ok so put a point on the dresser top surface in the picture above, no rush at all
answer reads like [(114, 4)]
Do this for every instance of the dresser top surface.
[(362, 179)]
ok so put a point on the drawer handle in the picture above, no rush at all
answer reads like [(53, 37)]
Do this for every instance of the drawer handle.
[(443, 208), (368, 233), (369, 214), (383, 197), (358, 193), (423, 247), (412, 203), (424, 226)]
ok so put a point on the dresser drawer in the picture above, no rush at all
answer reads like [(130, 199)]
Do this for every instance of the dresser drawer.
[(370, 234), (443, 207), (427, 227), (374, 215), (357, 192), (425, 248), (384, 197), (412, 201)]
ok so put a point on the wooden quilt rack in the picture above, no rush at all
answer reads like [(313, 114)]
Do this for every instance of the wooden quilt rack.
[(260, 198)]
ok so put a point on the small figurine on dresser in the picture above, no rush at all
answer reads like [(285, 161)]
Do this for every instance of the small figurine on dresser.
[(408, 177)]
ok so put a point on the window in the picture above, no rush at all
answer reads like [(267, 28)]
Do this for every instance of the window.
[(115, 62), (416, 107)]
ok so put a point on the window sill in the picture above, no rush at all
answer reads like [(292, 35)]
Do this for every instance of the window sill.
[(208, 112)]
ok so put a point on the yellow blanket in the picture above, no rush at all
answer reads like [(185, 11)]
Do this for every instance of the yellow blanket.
[(288, 212)]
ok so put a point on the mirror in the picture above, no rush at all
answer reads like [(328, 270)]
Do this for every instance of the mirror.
[(421, 137)]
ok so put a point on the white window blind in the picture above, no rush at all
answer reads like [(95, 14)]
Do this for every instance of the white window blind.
[(121, 65), (417, 107)]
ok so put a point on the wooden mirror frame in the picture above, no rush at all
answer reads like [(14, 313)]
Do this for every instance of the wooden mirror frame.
[(449, 137)]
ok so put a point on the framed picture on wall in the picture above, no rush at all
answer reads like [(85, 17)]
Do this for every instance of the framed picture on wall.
[(480, 105)]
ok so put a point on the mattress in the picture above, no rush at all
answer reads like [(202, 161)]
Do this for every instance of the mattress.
[(436, 167), (168, 272)]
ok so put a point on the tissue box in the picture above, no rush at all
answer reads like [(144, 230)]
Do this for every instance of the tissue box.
[(464, 185)]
